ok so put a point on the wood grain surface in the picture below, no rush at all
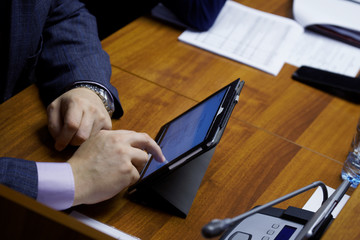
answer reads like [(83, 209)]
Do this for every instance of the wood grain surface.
[(282, 135)]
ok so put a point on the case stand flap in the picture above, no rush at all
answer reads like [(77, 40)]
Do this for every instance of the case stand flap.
[(176, 192)]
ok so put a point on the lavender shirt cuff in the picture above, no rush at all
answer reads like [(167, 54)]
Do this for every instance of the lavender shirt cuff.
[(56, 187)]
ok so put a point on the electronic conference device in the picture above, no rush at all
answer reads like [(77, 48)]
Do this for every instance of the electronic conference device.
[(267, 223), (270, 224)]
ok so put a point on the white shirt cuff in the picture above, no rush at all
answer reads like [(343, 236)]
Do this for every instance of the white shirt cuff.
[(56, 187)]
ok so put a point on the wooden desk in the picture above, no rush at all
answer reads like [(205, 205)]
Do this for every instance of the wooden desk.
[(282, 135)]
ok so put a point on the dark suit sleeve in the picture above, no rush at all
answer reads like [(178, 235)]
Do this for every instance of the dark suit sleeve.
[(72, 52), (20, 175), (198, 14)]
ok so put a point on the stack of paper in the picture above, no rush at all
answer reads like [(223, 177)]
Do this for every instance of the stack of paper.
[(266, 41)]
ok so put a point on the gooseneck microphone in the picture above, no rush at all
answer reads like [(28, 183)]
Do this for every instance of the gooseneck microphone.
[(323, 212), (217, 226)]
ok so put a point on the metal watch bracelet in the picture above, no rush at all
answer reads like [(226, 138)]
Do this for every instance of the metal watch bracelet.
[(103, 95)]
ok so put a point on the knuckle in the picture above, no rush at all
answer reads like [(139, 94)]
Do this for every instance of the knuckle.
[(76, 99), (102, 117), (93, 110), (120, 149), (71, 125), (146, 137), (51, 107), (81, 137), (134, 178), (108, 125), (127, 168), (105, 120)]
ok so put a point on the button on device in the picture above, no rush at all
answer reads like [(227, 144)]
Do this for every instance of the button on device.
[(275, 226), (240, 236), (270, 232), (265, 238)]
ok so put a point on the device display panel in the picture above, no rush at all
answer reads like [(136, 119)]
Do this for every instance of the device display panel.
[(286, 233), (186, 132)]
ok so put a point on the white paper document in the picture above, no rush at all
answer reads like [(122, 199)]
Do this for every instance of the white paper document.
[(266, 41), (342, 13), (256, 38), (324, 53)]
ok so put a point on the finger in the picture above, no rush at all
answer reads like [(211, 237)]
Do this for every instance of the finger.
[(72, 120), (135, 176), (139, 159), (130, 175), (84, 130), (102, 122), (145, 142), (54, 119)]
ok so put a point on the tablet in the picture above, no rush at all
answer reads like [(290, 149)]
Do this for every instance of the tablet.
[(192, 133)]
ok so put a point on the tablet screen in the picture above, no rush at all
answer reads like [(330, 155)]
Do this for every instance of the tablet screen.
[(187, 131)]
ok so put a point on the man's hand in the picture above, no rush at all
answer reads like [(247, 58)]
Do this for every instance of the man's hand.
[(75, 116), (108, 162)]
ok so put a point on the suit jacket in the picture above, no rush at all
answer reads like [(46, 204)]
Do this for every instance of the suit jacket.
[(52, 43), (197, 14), (20, 175), (55, 44)]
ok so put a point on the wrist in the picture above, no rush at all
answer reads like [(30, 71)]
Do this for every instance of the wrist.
[(79, 185), (102, 93)]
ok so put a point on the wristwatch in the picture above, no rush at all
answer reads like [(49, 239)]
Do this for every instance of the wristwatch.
[(103, 95)]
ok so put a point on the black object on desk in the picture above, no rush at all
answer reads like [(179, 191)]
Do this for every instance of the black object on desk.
[(188, 143), (345, 35), (175, 192), (338, 85)]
